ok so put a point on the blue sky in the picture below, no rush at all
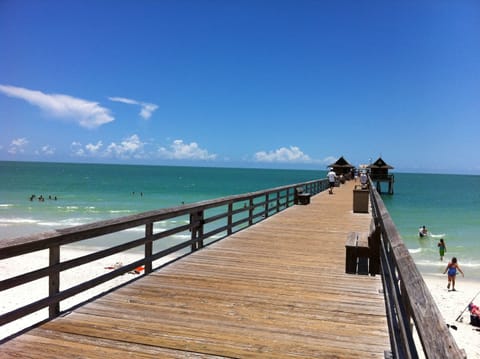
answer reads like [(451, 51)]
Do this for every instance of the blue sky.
[(277, 84)]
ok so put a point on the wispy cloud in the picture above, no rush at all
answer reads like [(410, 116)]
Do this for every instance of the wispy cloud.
[(292, 154), (185, 151), (18, 146), (87, 114), (146, 108)]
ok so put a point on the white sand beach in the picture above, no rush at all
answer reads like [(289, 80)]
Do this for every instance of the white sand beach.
[(22, 295), (451, 304)]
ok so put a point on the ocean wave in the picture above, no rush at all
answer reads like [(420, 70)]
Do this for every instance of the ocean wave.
[(5, 205), (17, 221), (49, 224), (437, 235), (415, 250), (74, 222)]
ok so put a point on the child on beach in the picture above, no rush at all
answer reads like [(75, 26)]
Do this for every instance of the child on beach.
[(452, 268), (442, 248)]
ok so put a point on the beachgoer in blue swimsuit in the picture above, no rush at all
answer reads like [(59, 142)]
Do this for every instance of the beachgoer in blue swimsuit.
[(452, 268)]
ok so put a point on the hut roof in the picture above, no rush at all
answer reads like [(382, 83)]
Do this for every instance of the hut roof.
[(380, 163), (341, 162)]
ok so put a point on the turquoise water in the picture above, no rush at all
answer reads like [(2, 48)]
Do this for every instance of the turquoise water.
[(449, 205), (91, 192)]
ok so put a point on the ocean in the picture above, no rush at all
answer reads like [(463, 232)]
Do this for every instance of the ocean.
[(74, 194)]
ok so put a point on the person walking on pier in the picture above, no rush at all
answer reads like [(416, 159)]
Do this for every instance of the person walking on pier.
[(452, 268), (332, 176)]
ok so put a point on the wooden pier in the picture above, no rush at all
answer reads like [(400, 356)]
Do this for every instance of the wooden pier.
[(277, 289)]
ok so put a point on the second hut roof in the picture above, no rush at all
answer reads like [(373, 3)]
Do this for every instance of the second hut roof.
[(341, 162), (380, 163)]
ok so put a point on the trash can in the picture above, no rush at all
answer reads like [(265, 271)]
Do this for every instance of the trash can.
[(360, 199)]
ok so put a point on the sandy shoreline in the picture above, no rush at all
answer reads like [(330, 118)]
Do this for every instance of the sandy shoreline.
[(451, 304)]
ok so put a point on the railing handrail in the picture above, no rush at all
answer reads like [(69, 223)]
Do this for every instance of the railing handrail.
[(29, 243), (408, 297), (255, 206)]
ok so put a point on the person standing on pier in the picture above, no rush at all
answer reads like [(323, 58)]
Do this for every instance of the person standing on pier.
[(364, 180), (332, 176)]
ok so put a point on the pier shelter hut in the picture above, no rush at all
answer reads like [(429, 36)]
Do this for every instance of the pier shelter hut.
[(379, 173), (342, 168)]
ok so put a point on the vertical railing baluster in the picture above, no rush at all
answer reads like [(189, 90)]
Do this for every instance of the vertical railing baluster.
[(250, 211), (54, 280), (148, 247), (229, 218), (193, 232), (267, 201), (197, 223), (278, 201), (201, 224)]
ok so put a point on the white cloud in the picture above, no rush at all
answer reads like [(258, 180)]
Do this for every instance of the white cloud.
[(146, 108), (183, 151), (127, 147), (283, 154), (47, 150), (18, 145), (86, 113), (131, 147), (93, 149), (123, 100), (77, 149)]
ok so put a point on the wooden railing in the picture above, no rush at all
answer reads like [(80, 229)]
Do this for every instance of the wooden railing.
[(407, 296), (204, 223)]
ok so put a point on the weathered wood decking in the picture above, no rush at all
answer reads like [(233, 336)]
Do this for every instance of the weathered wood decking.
[(275, 290)]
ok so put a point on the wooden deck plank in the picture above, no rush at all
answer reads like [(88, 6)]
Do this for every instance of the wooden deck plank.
[(275, 290)]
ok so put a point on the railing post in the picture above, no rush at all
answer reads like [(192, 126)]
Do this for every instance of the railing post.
[(148, 247), (196, 218), (193, 232), (230, 219), (267, 203), (278, 201), (54, 280), (250, 211)]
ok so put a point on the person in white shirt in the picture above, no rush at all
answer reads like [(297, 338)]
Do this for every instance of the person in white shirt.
[(363, 179), (332, 176)]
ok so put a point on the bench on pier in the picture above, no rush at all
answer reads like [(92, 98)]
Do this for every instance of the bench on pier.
[(357, 253), (302, 197), (362, 252)]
